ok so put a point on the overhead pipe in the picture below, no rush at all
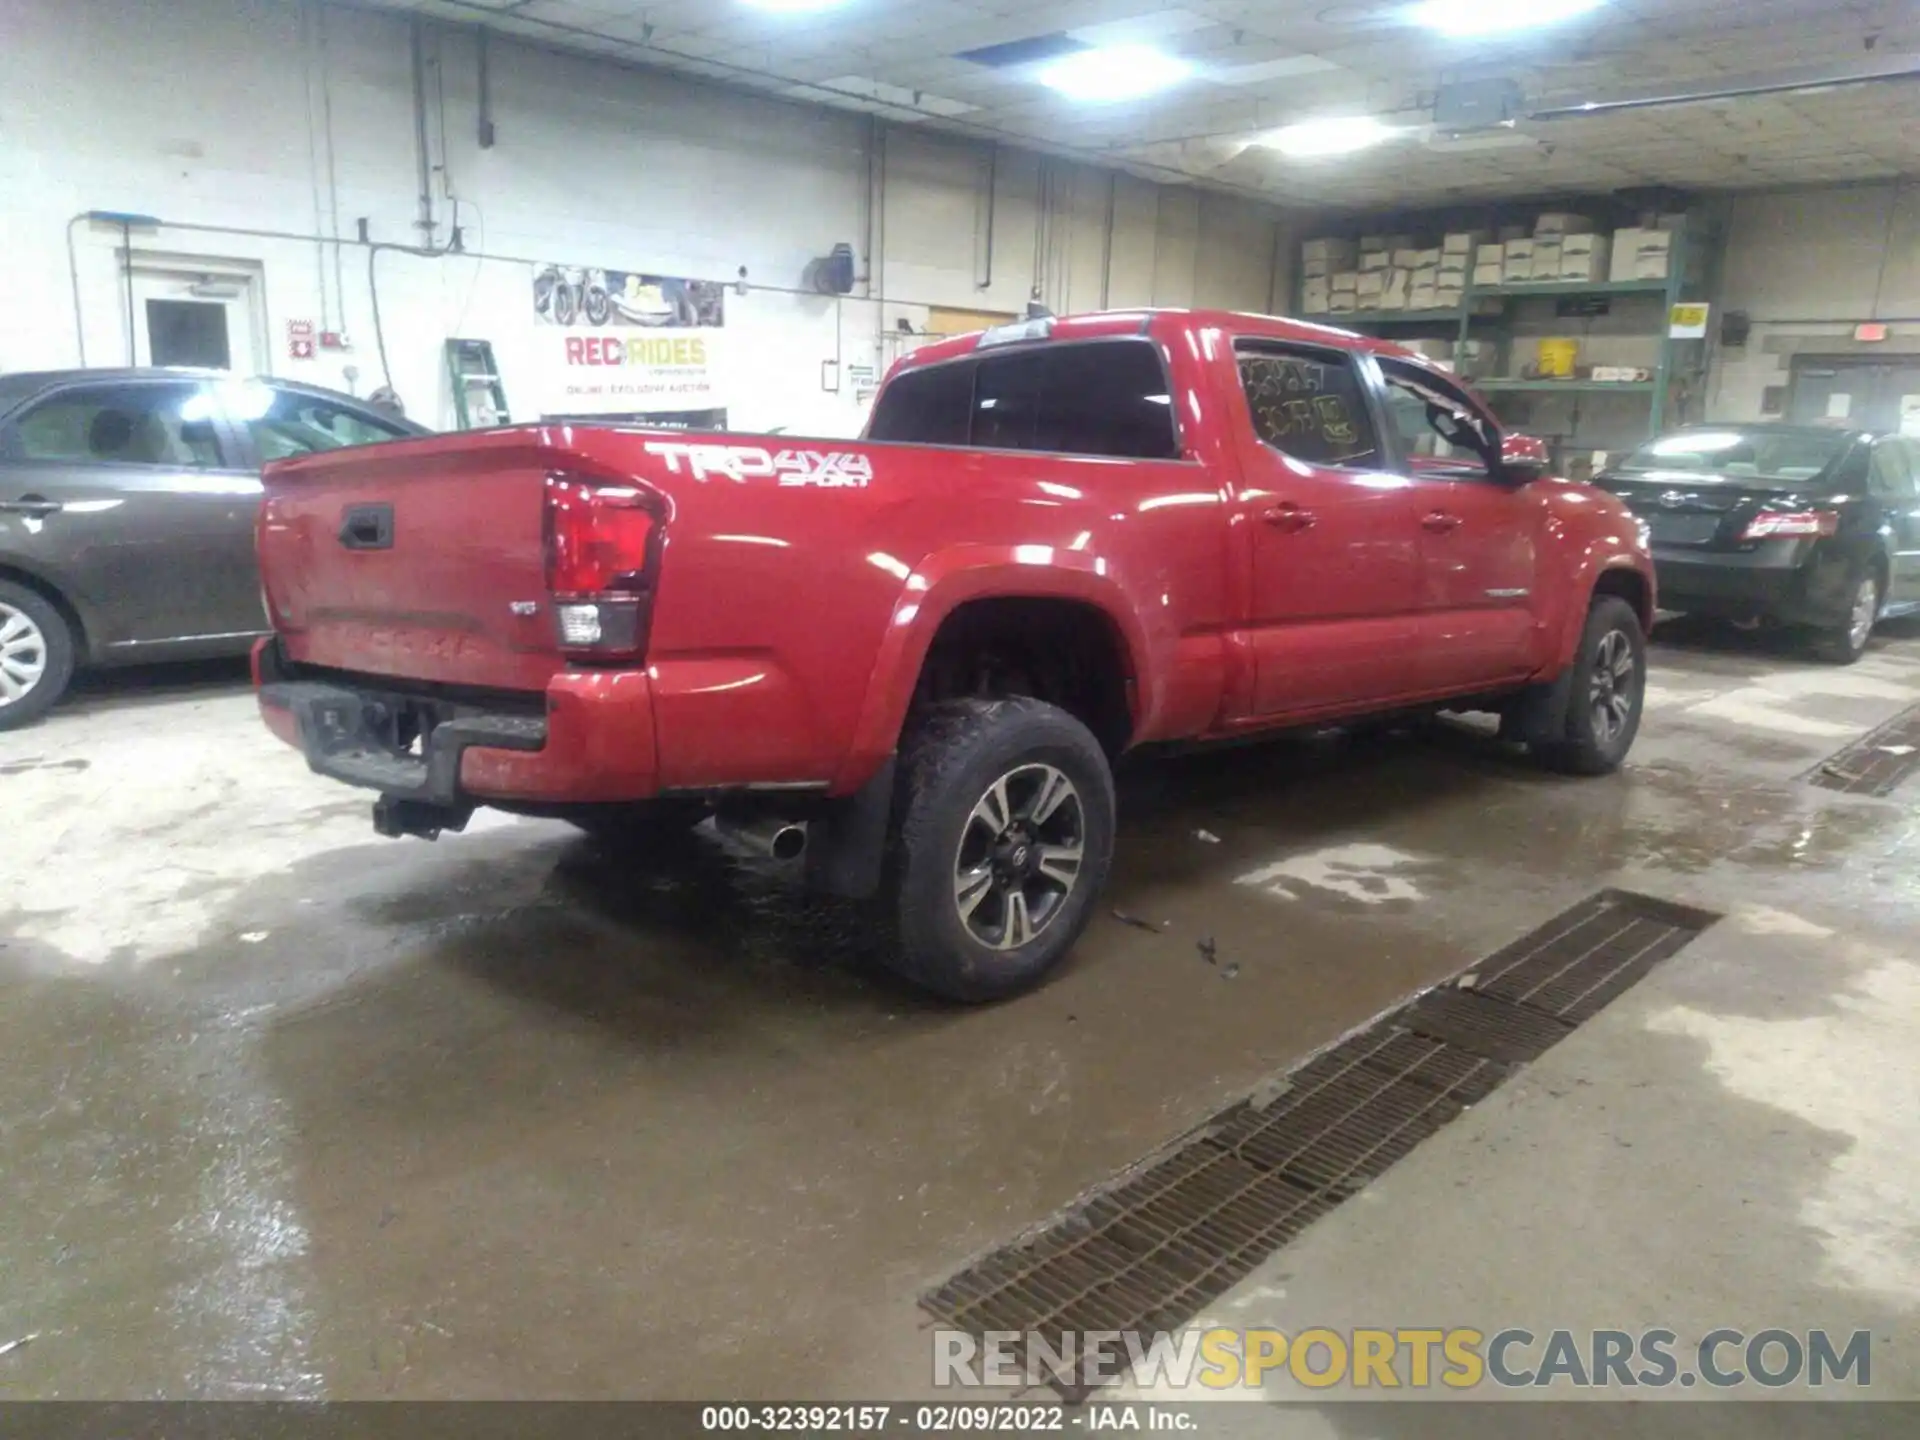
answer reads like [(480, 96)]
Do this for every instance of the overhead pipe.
[(423, 158), (1877, 71)]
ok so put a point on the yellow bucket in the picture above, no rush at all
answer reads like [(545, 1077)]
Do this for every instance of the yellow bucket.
[(1558, 358)]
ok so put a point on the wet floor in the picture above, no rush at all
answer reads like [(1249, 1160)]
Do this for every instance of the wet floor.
[(287, 1109)]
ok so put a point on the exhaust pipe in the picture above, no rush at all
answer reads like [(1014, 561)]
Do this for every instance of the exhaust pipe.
[(769, 839)]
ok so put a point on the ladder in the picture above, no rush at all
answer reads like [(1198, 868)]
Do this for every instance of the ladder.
[(479, 399)]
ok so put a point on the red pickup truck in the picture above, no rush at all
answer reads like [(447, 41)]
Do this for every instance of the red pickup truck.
[(909, 662)]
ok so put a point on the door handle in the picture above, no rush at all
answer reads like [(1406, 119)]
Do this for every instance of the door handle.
[(1440, 523), (1290, 517), (36, 506)]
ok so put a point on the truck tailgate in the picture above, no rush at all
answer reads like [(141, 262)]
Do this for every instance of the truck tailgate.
[(420, 559)]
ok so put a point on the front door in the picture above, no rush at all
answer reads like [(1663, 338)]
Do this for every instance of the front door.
[(1335, 555), (1478, 539), (135, 499), (1895, 480)]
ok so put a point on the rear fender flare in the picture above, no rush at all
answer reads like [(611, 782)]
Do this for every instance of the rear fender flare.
[(949, 579)]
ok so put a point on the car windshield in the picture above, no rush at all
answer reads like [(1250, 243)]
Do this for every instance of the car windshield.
[(1735, 455)]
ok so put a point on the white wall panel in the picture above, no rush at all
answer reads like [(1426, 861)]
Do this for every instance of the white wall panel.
[(270, 115)]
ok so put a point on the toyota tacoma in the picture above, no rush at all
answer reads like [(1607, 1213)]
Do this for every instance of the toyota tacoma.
[(908, 663)]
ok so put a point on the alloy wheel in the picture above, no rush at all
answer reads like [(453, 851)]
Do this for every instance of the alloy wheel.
[(1613, 694), (1020, 856), (1866, 610), (23, 655)]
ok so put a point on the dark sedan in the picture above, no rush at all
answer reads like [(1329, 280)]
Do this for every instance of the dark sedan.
[(127, 506), (1797, 525)]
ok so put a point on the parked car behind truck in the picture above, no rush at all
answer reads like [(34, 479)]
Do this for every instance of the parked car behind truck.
[(1058, 542), (1797, 525), (128, 501)]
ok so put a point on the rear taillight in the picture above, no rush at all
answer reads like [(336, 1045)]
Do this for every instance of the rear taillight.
[(1798, 524), (602, 548)]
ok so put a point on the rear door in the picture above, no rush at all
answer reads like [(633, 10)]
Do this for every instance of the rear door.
[(1895, 482), (1479, 539), (130, 489), (1335, 553)]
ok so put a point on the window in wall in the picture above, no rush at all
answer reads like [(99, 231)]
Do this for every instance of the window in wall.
[(120, 425), (1309, 404)]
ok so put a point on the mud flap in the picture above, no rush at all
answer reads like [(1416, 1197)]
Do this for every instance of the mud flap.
[(847, 844), (1540, 715)]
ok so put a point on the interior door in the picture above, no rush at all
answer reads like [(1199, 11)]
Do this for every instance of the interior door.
[(203, 321), (1479, 538), (1335, 554), (135, 500)]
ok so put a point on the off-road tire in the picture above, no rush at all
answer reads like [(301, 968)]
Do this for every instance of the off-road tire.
[(54, 652), (954, 755), (1584, 746)]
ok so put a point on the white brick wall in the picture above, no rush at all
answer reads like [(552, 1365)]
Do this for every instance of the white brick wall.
[(1806, 265), (216, 112)]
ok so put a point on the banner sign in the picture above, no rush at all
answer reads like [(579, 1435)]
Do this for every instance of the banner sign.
[(615, 344)]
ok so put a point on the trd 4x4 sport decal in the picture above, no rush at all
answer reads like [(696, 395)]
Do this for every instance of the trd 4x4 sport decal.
[(828, 469)]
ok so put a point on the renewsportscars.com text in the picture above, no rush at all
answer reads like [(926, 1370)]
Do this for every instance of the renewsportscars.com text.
[(1415, 1359)]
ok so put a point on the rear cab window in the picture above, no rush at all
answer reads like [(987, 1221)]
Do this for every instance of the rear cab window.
[(1095, 397)]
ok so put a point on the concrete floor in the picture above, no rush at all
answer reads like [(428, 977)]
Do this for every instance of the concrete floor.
[(291, 1110)]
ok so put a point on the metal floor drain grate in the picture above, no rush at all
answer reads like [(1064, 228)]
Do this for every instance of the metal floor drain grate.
[(1877, 765), (1149, 1252)]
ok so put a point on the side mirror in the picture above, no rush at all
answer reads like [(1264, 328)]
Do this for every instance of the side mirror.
[(1523, 459)]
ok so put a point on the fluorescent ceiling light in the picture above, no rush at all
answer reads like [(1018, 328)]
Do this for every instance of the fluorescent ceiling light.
[(1343, 136), (1496, 17), (1116, 72)]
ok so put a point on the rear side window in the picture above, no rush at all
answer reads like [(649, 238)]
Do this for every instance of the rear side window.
[(296, 424), (1109, 399), (165, 425), (1892, 473), (926, 407), (1309, 404)]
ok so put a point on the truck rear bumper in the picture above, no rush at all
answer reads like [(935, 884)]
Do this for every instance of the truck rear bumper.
[(593, 744)]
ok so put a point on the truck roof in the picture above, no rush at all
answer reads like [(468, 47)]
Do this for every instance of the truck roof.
[(1113, 324)]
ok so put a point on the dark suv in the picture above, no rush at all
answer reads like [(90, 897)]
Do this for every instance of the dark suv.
[(127, 506)]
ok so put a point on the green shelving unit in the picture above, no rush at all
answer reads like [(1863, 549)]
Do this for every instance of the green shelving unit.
[(1486, 313)]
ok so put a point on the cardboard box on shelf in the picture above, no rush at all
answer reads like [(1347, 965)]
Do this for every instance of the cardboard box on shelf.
[(1451, 297), (1588, 263), (1560, 222), (1373, 284), (1373, 260), (1345, 282), (1315, 296), (1546, 260), (1399, 285), (1388, 243), (1427, 275), (1489, 255), (1342, 302), (1406, 258), (1423, 297), (1640, 254), (1464, 242), (1519, 266), (1425, 258), (1493, 274), (1581, 244), (1324, 257)]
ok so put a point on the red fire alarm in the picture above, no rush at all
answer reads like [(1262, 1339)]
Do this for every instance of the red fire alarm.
[(1872, 334)]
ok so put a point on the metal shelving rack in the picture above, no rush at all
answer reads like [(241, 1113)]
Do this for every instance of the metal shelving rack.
[(1689, 278)]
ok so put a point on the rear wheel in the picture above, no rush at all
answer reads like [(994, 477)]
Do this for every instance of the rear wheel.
[(1608, 691), (36, 655), (1002, 841), (1844, 644)]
